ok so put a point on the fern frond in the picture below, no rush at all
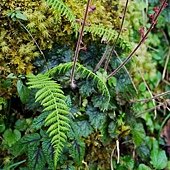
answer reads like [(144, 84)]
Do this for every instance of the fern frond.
[(51, 97), (103, 32), (61, 7), (84, 73)]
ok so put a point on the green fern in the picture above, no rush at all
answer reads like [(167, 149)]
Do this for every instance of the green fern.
[(61, 7), (103, 32), (84, 73), (51, 97)]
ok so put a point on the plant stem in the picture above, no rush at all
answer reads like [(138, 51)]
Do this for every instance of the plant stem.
[(141, 41), (154, 97), (113, 46), (76, 54), (121, 27)]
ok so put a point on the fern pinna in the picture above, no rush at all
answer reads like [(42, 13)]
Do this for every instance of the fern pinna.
[(84, 73), (51, 97), (61, 7)]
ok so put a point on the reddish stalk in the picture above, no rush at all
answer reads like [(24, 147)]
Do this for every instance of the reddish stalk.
[(154, 20), (121, 28), (76, 54)]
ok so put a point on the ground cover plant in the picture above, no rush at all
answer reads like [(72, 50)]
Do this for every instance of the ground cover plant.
[(84, 84)]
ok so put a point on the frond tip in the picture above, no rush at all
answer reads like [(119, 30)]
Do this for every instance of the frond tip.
[(51, 97)]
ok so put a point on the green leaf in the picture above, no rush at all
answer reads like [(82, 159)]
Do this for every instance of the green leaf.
[(23, 91), (142, 87), (31, 138), (96, 117), (11, 137), (36, 159), (158, 158), (143, 167), (48, 152), (112, 81), (138, 134), (112, 129), (21, 124), (18, 148), (77, 151), (19, 15), (83, 128), (2, 126), (100, 102), (38, 122)]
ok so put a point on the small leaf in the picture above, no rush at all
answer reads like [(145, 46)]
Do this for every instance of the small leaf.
[(138, 134), (142, 87), (143, 167), (159, 159), (2, 126), (83, 128), (38, 122), (112, 81), (11, 137), (19, 15), (96, 118), (31, 138), (23, 91), (21, 125)]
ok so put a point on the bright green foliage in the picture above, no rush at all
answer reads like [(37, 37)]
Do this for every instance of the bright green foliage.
[(107, 34), (158, 156), (84, 73), (103, 121), (61, 7), (23, 91), (52, 99), (143, 167), (11, 137)]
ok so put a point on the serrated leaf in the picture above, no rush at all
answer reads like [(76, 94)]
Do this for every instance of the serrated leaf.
[(77, 151), (83, 128), (158, 159), (38, 122), (36, 159), (96, 118), (143, 167), (31, 138), (138, 134), (11, 137), (48, 152)]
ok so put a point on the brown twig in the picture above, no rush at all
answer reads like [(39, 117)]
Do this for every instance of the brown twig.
[(154, 97), (113, 46), (76, 54), (148, 88), (102, 58), (149, 110), (141, 41), (126, 71), (120, 31)]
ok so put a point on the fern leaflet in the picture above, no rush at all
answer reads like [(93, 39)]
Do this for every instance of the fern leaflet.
[(84, 73), (61, 7), (51, 97), (103, 32)]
